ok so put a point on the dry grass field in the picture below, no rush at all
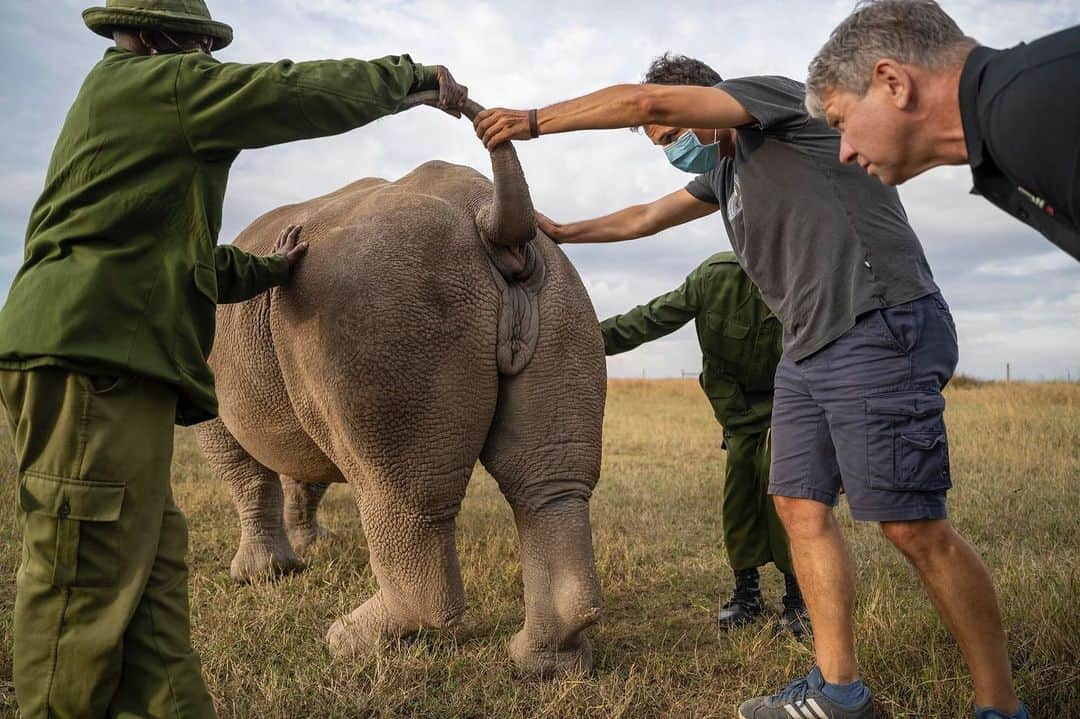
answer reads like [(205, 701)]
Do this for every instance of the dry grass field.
[(1016, 465)]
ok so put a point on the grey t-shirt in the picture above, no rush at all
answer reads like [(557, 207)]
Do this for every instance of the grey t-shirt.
[(824, 242)]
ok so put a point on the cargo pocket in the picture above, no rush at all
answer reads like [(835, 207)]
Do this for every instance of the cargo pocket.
[(907, 448), (729, 338), (206, 282), (195, 326), (724, 395), (70, 534), (924, 461), (767, 348)]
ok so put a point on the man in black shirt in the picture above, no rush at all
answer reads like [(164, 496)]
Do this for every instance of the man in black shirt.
[(909, 91)]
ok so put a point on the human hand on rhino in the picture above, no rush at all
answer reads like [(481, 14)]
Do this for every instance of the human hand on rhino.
[(549, 227), (498, 124), (452, 95), (289, 246)]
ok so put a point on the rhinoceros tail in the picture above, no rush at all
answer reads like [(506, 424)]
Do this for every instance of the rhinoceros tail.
[(507, 227)]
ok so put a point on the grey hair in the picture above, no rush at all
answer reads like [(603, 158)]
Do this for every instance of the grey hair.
[(913, 32)]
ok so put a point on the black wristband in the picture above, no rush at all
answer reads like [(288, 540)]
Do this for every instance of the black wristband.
[(534, 125)]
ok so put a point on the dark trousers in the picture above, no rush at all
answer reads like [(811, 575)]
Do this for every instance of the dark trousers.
[(753, 533)]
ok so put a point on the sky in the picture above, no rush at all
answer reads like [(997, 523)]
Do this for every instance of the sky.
[(1015, 296)]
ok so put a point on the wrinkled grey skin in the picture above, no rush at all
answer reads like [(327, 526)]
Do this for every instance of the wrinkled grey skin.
[(396, 358)]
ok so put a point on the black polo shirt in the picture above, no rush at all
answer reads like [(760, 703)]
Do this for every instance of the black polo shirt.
[(1021, 114)]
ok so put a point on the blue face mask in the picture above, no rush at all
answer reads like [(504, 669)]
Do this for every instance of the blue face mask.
[(689, 155)]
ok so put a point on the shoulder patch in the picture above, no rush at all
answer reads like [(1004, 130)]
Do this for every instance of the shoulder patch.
[(722, 258)]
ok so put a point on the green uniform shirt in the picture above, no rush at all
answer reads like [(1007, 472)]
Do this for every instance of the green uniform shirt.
[(740, 338), (122, 270)]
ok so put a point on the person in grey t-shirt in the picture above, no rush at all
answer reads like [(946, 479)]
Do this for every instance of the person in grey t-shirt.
[(869, 343), (857, 237)]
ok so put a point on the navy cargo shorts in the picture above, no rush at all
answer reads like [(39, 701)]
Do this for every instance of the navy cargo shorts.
[(866, 413)]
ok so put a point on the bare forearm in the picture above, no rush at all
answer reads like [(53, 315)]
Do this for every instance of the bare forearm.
[(635, 105), (630, 223), (613, 107), (617, 106), (625, 224)]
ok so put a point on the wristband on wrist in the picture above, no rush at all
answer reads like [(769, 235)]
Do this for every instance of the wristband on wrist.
[(534, 124)]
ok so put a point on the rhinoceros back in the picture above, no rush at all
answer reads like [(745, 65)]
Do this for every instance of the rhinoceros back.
[(450, 195)]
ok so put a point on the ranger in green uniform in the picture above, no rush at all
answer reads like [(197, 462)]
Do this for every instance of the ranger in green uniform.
[(106, 331), (740, 347)]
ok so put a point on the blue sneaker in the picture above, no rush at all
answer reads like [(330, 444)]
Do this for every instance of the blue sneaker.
[(1021, 713), (804, 699)]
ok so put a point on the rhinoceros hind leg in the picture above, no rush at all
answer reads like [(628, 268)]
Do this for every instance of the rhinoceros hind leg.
[(414, 558), (549, 489), (301, 512), (264, 551), (543, 449)]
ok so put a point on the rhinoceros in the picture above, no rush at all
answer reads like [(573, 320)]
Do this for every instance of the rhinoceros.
[(430, 325)]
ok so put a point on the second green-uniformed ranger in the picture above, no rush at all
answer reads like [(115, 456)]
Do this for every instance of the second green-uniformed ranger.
[(106, 331), (741, 345)]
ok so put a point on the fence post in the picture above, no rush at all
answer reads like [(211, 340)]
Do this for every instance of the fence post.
[(1008, 372)]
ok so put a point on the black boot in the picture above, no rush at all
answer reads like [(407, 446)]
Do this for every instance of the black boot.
[(795, 618), (745, 604)]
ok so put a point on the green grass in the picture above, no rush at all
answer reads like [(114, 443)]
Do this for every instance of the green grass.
[(656, 525)]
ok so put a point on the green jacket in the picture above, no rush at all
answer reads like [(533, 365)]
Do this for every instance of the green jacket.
[(122, 271), (740, 338)]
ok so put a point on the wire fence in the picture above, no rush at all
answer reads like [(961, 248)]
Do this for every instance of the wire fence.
[(960, 378)]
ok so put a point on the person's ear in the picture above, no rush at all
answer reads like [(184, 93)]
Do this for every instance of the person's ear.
[(146, 40), (897, 84)]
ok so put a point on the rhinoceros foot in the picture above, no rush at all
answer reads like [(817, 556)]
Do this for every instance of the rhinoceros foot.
[(257, 560), (366, 630), (373, 627), (548, 662), (301, 538)]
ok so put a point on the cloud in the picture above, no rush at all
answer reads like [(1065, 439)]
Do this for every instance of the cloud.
[(9, 263), (21, 188), (1031, 265), (1011, 297)]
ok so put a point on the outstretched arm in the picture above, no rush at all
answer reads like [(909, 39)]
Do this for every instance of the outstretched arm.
[(228, 107), (661, 316), (618, 106), (241, 275), (637, 221)]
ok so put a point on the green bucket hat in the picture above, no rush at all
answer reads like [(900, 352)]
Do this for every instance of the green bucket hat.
[(190, 16)]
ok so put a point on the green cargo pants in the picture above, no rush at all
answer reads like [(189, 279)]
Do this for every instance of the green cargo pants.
[(753, 533), (101, 605)]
